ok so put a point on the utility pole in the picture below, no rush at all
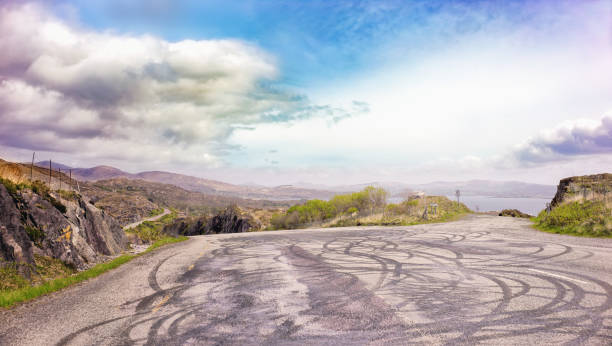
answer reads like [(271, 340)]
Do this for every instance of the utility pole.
[(60, 177), (49, 174), (32, 168), (458, 194)]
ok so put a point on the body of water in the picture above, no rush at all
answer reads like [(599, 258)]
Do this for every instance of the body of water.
[(530, 206)]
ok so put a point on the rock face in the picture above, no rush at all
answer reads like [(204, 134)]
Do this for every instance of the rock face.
[(228, 221), (589, 187), (70, 229), (15, 245)]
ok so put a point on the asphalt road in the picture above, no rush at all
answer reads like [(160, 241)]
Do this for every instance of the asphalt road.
[(152, 218), (482, 280)]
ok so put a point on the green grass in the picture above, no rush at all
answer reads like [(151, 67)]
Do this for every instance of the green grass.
[(10, 278), (156, 212), (22, 293), (151, 231), (586, 219), (410, 213), (165, 241), (37, 187), (36, 235), (68, 195)]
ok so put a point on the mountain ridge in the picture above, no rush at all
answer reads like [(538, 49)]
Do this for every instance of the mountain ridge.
[(305, 190)]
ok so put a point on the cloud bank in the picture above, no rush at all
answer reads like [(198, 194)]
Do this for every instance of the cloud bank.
[(107, 95), (571, 139)]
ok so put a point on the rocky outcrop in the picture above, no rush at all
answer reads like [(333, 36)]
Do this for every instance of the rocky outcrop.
[(228, 221), (15, 246), (514, 213), (587, 187), (68, 228)]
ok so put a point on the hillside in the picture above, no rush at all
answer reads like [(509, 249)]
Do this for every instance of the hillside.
[(129, 200), (208, 186), (581, 206), (367, 207)]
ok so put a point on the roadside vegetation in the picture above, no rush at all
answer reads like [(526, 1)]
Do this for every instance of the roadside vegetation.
[(37, 187), (156, 212), (580, 218), (152, 231), (52, 275), (514, 213), (367, 208)]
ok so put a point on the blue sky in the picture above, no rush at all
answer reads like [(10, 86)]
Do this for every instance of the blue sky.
[(319, 91), (314, 41)]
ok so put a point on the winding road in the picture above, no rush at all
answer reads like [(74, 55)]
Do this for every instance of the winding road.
[(480, 280), (152, 218)]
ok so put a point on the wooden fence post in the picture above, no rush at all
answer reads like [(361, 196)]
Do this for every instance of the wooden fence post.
[(32, 168)]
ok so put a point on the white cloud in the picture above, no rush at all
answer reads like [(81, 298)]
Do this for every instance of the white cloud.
[(67, 89)]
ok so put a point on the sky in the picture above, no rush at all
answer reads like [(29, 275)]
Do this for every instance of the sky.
[(324, 92)]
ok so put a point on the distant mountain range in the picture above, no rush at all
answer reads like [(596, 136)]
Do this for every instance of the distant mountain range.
[(283, 192), (487, 188), (304, 190)]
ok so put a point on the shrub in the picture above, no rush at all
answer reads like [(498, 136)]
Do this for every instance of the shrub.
[(352, 210), (156, 212), (36, 235), (68, 195), (589, 218)]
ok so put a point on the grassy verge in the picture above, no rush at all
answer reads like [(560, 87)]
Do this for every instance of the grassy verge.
[(156, 212), (584, 219), (151, 231), (165, 241), (409, 213), (10, 297)]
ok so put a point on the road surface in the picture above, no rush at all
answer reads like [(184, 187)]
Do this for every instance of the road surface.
[(152, 218), (481, 280)]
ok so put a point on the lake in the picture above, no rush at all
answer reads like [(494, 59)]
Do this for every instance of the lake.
[(530, 206)]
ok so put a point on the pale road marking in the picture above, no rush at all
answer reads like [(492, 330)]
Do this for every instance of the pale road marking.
[(190, 267), (559, 276), (162, 302)]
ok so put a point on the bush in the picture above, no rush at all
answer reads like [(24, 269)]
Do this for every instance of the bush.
[(10, 186), (36, 235), (368, 203), (589, 218), (68, 195), (156, 212)]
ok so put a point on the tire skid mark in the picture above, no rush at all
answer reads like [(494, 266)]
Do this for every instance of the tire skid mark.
[(466, 287)]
